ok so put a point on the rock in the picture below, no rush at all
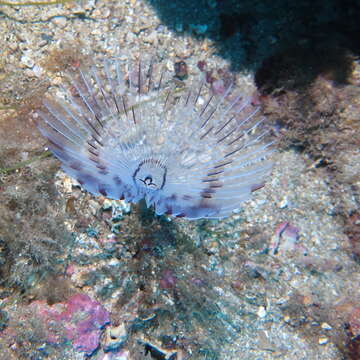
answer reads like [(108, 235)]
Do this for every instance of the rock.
[(115, 337)]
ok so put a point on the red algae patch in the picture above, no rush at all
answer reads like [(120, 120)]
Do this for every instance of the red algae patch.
[(79, 320)]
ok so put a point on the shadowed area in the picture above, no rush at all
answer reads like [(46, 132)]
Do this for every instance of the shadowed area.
[(246, 32)]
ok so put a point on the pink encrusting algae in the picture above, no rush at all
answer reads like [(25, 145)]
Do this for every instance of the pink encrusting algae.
[(134, 135), (79, 320)]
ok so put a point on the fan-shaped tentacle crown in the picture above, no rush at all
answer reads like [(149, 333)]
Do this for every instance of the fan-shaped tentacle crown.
[(134, 135)]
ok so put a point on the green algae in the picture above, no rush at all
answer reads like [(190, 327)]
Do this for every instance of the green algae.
[(22, 164)]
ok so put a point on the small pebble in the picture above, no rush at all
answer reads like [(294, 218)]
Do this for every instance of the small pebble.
[(326, 326), (106, 13), (152, 38), (59, 21), (37, 70), (13, 46), (27, 61), (107, 204), (42, 43), (29, 73), (169, 66), (218, 87), (93, 206), (261, 313), (115, 336), (283, 203)]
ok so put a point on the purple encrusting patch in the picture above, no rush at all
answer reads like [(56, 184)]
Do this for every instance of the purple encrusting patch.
[(79, 320)]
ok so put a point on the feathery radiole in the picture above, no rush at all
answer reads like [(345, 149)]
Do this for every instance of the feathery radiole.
[(133, 136)]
